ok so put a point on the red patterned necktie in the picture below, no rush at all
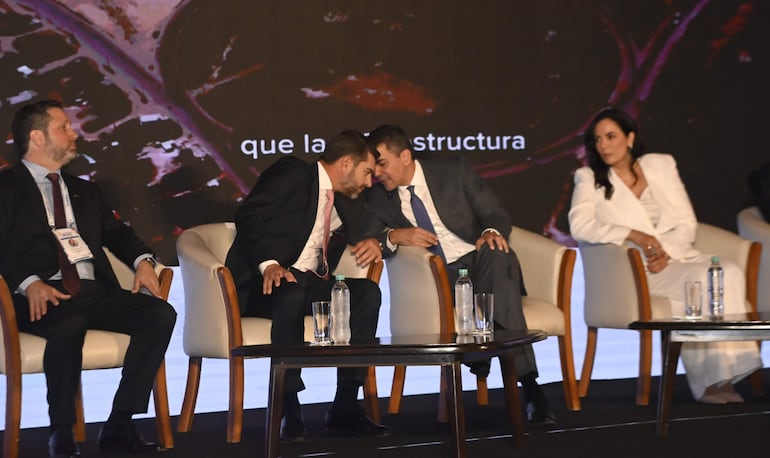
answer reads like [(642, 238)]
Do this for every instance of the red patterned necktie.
[(69, 273)]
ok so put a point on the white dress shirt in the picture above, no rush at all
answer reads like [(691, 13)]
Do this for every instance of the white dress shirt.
[(311, 253)]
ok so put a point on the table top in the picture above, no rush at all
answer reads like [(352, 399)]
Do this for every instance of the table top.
[(498, 341), (735, 321)]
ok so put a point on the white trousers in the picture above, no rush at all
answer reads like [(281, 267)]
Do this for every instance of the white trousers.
[(710, 363)]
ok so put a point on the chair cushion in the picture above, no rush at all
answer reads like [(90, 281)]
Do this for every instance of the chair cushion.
[(101, 350), (543, 315), (256, 331)]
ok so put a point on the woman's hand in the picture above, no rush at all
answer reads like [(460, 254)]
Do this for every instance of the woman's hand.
[(654, 254)]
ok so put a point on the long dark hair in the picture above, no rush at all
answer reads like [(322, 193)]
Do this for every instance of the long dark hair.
[(601, 170)]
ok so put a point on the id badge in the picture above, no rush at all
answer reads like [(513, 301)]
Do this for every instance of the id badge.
[(73, 245)]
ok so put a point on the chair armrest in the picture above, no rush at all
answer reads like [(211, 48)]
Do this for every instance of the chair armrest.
[(9, 333), (723, 243), (611, 295)]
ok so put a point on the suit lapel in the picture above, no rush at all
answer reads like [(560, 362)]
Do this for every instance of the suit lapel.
[(630, 205), (312, 204), (30, 192)]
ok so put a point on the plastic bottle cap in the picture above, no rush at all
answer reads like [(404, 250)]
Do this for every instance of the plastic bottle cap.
[(463, 272), (715, 259), (339, 277)]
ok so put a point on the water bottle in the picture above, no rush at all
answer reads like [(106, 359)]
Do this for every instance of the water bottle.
[(464, 303), (340, 311), (716, 288)]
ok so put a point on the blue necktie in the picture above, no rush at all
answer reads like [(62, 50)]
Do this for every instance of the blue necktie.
[(423, 220)]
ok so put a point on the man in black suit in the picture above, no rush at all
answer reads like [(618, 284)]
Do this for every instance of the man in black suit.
[(59, 299), (468, 228), (279, 268)]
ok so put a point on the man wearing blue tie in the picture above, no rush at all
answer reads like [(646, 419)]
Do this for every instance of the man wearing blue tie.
[(441, 204)]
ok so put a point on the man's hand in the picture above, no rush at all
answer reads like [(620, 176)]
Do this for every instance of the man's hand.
[(145, 276), (413, 236), (494, 240), (39, 294), (272, 277), (367, 251)]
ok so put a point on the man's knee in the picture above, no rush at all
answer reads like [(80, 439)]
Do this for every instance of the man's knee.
[(496, 259), (69, 329)]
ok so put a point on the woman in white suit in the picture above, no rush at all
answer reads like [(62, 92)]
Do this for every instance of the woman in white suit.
[(625, 195)]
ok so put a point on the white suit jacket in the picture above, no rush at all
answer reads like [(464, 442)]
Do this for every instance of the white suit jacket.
[(594, 219)]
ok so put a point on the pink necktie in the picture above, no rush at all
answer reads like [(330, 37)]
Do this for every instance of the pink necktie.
[(69, 273), (327, 226)]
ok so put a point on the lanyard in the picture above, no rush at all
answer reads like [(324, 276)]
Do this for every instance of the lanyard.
[(69, 214)]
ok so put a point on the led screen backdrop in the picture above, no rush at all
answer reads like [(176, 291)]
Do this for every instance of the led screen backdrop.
[(181, 104)]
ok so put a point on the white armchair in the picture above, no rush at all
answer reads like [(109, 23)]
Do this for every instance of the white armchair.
[(547, 267), (417, 277), (22, 353), (616, 293), (213, 324)]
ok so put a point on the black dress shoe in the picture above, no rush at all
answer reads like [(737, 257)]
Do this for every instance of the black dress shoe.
[(122, 436), (293, 428), (61, 444), (480, 368), (538, 412), (353, 421)]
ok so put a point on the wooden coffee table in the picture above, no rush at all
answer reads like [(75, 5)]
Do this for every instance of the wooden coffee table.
[(674, 332), (448, 351)]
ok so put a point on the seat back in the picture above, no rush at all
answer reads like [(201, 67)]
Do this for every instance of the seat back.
[(547, 268), (730, 246), (201, 251), (419, 293), (752, 226)]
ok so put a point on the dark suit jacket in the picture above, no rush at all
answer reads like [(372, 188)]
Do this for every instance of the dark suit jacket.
[(276, 218), (463, 200), (27, 245)]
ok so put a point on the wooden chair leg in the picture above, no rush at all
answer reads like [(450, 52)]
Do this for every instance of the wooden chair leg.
[(443, 398), (79, 429), (162, 416), (12, 415), (588, 362), (370, 395), (569, 384), (397, 389), (184, 423), (482, 392), (235, 411), (645, 368)]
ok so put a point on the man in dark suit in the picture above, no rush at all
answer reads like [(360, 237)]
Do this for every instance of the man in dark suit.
[(280, 267), (59, 299), (467, 227)]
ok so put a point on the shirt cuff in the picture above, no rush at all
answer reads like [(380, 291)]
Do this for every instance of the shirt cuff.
[(22, 289), (391, 246), (142, 257), (264, 265), (491, 229)]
